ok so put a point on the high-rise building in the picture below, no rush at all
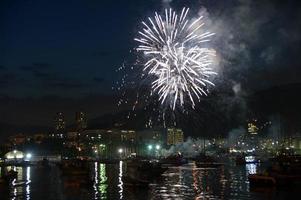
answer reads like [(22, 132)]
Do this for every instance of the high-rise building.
[(252, 128), (179, 136), (59, 122), (174, 136), (128, 135), (81, 120)]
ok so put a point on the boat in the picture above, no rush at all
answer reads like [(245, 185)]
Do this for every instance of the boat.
[(205, 161), (174, 160), (109, 161), (273, 179), (246, 159), (43, 163), (149, 167), (278, 174), (140, 172), (8, 176)]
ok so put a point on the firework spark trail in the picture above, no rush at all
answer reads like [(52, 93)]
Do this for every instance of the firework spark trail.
[(177, 60)]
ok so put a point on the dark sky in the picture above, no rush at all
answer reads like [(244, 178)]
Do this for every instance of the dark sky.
[(62, 48), (70, 51)]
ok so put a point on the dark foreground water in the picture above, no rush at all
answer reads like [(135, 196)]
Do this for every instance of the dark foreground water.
[(186, 182)]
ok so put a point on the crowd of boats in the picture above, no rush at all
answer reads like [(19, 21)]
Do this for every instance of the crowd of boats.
[(280, 171), (142, 171)]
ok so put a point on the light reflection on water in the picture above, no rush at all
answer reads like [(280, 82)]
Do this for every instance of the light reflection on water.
[(19, 188), (95, 179), (190, 183), (251, 168), (186, 182), (27, 183), (100, 181), (120, 183)]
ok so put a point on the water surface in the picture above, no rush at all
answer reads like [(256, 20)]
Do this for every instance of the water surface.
[(185, 182)]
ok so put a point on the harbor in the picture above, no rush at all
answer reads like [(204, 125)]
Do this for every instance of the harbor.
[(140, 178)]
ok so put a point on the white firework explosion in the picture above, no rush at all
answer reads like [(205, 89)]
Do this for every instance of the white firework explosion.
[(178, 61)]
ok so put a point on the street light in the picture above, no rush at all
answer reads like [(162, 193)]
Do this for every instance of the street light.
[(150, 147), (120, 151), (158, 147), (28, 156)]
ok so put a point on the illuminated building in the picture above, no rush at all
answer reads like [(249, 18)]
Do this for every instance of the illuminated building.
[(252, 128), (94, 134), (14, 155), (72, 135), (128, 135), (128, 141), (296, 144), (59, 121), (39, 137), (150, 136), (18, 139), (174, 136), (81, 120)]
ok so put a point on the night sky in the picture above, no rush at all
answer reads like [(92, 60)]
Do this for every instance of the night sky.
[(61, 56)]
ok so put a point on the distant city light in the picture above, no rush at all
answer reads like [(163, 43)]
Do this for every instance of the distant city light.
[(28, 156), (251, 150), (250, 158), (120, 150)]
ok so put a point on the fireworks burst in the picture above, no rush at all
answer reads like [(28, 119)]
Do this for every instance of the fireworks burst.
[(178, 61)]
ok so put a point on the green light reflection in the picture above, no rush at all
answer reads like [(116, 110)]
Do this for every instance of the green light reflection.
[(103, 181)]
